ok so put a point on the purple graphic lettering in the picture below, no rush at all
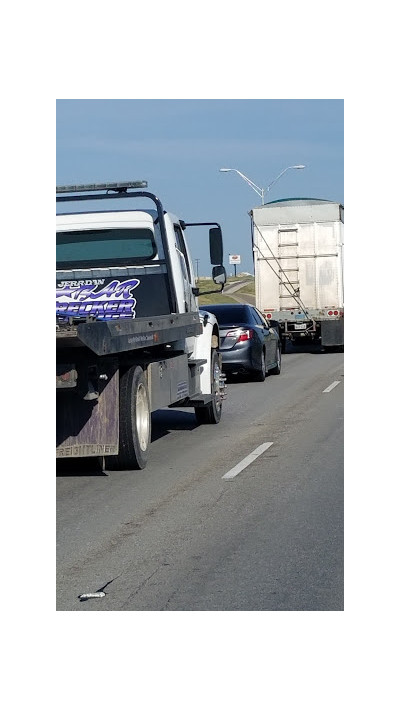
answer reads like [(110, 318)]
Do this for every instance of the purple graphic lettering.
[(113, 301), (116, 289)]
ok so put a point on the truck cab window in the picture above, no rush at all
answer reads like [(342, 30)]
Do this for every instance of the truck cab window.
[(180, 243), (190, 301), (93, 248)]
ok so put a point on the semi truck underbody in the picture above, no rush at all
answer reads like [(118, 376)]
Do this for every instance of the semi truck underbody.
[(306, 328)]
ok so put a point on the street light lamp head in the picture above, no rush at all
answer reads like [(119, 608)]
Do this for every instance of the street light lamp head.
[(260, 191)]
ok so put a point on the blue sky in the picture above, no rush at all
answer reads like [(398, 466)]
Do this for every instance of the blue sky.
[(179, 145)]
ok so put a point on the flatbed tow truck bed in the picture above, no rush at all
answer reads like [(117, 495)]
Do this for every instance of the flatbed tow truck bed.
[(108, 337)]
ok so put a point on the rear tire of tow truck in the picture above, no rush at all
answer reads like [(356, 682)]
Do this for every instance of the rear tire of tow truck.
[(211, 413), (134, 422)]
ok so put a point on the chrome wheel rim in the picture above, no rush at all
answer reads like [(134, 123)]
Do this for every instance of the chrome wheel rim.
[(216, 387), (142, 417)]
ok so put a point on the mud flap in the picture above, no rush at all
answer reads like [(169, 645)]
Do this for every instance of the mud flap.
[(332, 333), (89, 428)]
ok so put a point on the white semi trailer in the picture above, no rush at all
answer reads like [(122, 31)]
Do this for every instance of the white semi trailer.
[(298, 261)]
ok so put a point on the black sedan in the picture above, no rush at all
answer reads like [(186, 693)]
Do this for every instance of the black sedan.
[(249, 343)]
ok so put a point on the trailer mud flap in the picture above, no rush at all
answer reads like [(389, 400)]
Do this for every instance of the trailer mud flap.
[(332, 333), (89, 428)]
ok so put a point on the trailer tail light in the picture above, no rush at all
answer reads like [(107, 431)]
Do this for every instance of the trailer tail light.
[(269, 315), (330, 313), (240, 335), (336, 313)]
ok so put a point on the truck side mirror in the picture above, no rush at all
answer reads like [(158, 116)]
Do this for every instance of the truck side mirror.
[(219, 277), (219, 274), (216, 246)]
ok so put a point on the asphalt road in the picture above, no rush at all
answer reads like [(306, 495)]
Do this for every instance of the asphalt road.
[(179, 536)]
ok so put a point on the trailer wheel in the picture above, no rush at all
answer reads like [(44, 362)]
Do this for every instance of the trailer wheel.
[(134, 421), (211, 413), (283, 345)]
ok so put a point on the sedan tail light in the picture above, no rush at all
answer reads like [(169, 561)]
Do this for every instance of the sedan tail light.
[(240, 335)]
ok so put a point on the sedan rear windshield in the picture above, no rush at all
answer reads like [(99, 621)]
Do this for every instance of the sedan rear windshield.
[(229, 314), (105, 247)]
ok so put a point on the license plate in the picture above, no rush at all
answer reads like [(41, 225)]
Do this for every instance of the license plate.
[(300, 326)]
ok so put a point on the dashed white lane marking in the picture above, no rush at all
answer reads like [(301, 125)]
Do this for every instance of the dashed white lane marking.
[(331, 386), (247, 460)]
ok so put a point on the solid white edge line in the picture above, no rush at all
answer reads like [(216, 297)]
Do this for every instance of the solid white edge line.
[(247, 460), (331, 386)]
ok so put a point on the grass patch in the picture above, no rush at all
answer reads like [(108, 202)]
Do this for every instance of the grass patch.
[(223, 298), (249, 288), (216, 299)]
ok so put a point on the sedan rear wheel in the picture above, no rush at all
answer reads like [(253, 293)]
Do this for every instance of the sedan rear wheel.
[(259, 375), (277, 369)]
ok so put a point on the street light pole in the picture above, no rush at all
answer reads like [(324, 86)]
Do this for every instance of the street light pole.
[(261, 191)]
